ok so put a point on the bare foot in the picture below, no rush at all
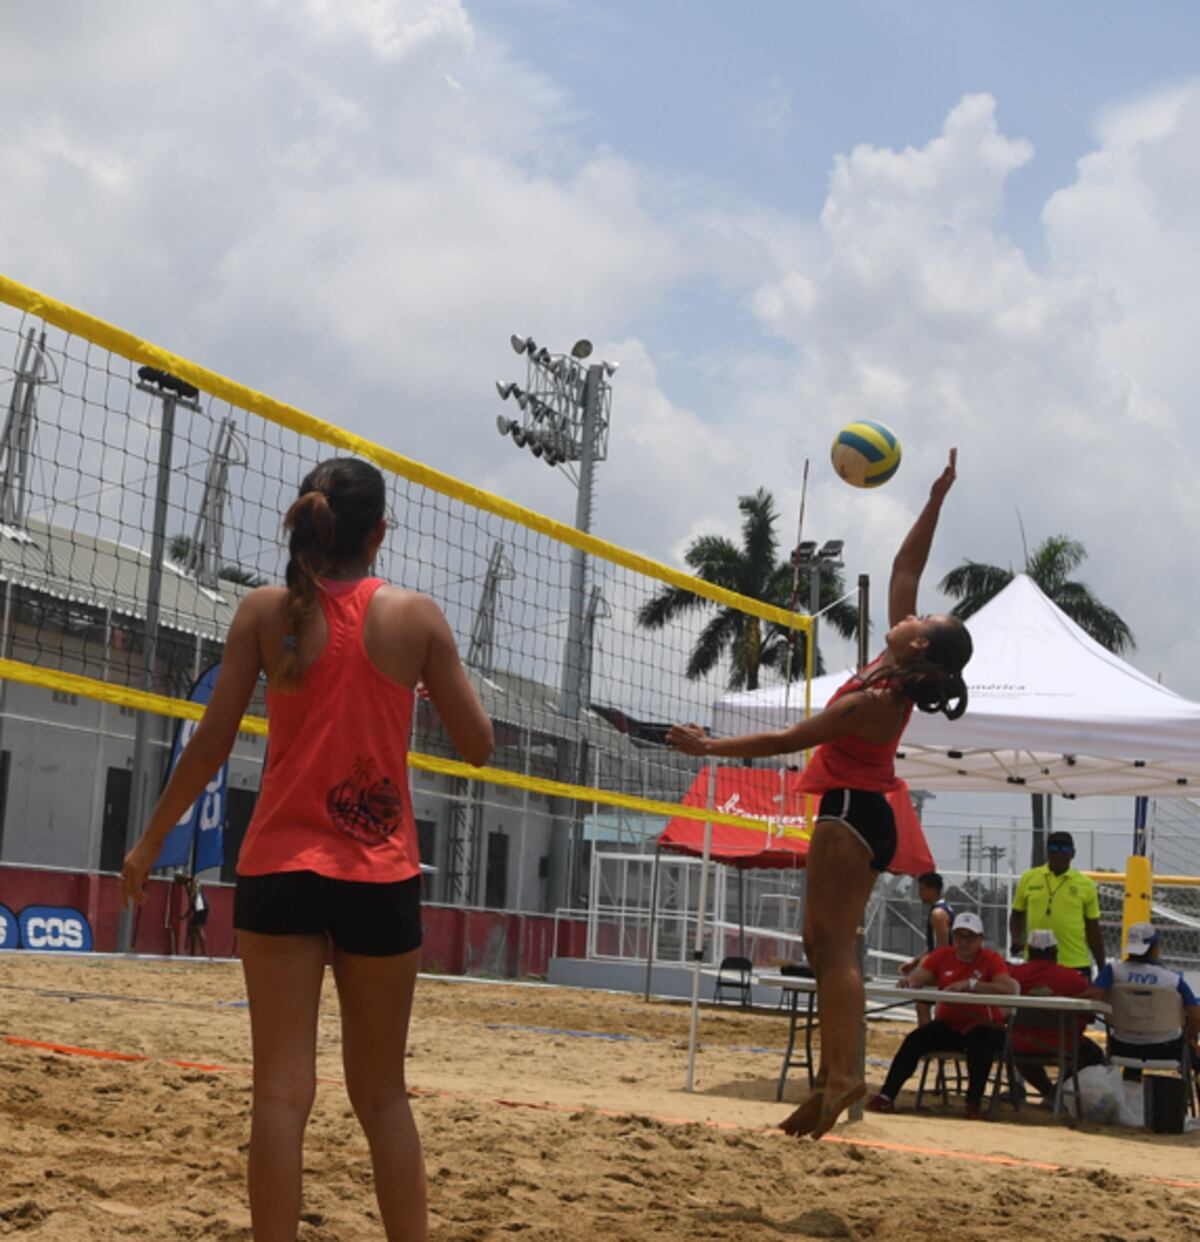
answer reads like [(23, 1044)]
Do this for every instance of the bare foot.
[(805, 1117), (835, 1102)]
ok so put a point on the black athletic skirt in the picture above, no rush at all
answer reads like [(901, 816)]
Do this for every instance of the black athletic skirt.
[(869, 816), (376, 920)]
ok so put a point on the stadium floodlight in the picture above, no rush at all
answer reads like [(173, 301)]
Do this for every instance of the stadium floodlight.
[(507, 426), (831, 550), (581, 349), (522, 344), (506, 390), (610, 368)]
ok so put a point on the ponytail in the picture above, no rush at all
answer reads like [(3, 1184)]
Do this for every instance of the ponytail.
[(341, 503), (310, 523)]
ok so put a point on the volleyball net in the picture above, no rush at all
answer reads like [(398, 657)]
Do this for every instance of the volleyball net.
[(141, 496)]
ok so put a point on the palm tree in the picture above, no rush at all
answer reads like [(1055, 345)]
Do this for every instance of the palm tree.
[(180, 551), (1050, 566), (754, 570)]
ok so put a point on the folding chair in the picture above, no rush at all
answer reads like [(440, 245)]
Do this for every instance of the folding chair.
[(941, 1085), (1058, 1032), (1150, 1012), (733, 975)]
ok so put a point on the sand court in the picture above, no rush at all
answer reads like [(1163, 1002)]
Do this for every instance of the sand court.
[(545, 1113)]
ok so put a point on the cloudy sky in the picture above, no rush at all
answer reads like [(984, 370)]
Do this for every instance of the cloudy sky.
[(975, 223)]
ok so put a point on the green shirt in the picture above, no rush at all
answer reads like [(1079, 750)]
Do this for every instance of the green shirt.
[(1061, 903)]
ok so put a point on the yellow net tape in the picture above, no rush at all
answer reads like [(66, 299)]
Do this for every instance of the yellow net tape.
[(162, 705), (134, 348)]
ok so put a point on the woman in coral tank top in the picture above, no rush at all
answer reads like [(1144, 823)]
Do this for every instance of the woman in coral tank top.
[(853, 769), (330, 855)]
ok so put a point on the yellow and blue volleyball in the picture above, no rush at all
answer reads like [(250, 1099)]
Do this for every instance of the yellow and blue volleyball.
[(866, 454)]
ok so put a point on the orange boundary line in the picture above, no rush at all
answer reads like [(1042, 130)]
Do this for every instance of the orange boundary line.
[(906, 1149)]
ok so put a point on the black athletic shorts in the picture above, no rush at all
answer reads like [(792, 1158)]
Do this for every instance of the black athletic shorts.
[(869, 816), (376, 920)]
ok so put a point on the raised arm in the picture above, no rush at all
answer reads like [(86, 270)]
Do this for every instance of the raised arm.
[(852, 713), (914, 551)]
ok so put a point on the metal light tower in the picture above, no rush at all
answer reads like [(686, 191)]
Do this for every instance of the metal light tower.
[(807, 556), (566, 405)]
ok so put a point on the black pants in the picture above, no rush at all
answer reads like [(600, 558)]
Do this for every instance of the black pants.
[(981, 1047)]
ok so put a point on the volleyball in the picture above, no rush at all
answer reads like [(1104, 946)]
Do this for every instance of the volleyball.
[(866, 454)]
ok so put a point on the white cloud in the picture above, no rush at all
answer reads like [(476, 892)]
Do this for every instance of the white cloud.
[(303, 196)]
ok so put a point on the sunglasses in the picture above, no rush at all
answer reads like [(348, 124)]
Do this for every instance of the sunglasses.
[(1058, 847)]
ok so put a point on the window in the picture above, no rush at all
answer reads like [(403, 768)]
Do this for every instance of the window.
[(62, 696)]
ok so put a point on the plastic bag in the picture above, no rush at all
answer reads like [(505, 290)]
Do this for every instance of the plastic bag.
[(1107, 1098)]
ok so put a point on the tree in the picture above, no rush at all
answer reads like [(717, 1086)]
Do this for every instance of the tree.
[(754, 570), (180, 550), (1050, 566)]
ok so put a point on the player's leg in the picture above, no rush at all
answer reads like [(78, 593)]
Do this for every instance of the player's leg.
[(283, 984), (376, 1000), (376, 931), (839, 883)]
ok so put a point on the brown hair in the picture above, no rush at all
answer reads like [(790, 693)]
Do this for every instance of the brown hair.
[(341, 502), (933, 679)]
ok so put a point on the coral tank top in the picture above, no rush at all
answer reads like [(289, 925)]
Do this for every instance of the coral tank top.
[(335, 797), (850, 762)]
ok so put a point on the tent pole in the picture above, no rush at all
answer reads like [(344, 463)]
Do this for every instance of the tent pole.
[(741, 912), (698, 950), (653, 918)]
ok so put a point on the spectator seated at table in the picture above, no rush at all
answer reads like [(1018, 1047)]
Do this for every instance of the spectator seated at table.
[(975, 1030), (1042, 976), (1141, 968)]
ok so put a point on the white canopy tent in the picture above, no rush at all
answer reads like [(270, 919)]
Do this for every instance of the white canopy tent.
[(1050, 711)]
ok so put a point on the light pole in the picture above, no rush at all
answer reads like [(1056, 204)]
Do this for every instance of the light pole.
[(173, 393), (807, 556), (566, 406)]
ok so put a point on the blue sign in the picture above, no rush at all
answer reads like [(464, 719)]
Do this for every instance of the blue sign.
[(197, 840), (10, 931), (57, 928)]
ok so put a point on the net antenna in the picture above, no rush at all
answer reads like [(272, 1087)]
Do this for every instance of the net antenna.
[(791, 647), (34, 368), (202, 557), (482, 652)]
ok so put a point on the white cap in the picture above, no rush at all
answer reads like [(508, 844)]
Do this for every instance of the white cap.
[(1043, 938), (968, 921), (1139, 938)]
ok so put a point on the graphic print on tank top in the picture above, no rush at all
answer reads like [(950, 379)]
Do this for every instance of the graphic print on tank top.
[(366, 806)]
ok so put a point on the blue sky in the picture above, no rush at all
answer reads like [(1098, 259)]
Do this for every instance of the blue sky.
[(975, 222)]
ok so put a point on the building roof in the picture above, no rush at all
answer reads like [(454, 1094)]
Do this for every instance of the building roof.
[(97, 573)]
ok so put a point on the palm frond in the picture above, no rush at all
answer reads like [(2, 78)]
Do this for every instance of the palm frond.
[(720, 632), (972, 583)]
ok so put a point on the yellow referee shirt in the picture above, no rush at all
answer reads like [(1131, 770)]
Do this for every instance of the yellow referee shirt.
[(1061, 903)]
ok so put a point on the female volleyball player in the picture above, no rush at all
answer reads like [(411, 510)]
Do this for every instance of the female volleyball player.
[(331, 852), (853, 768)]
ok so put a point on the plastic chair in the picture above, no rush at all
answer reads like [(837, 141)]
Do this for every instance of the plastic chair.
[(733, 975), (1152, 1012)]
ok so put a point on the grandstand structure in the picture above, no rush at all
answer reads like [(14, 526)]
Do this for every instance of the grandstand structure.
[(141, 497)]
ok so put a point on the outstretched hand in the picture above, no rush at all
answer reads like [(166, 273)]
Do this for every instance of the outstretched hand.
[(945, 480), (691, 739), (137, 866)]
